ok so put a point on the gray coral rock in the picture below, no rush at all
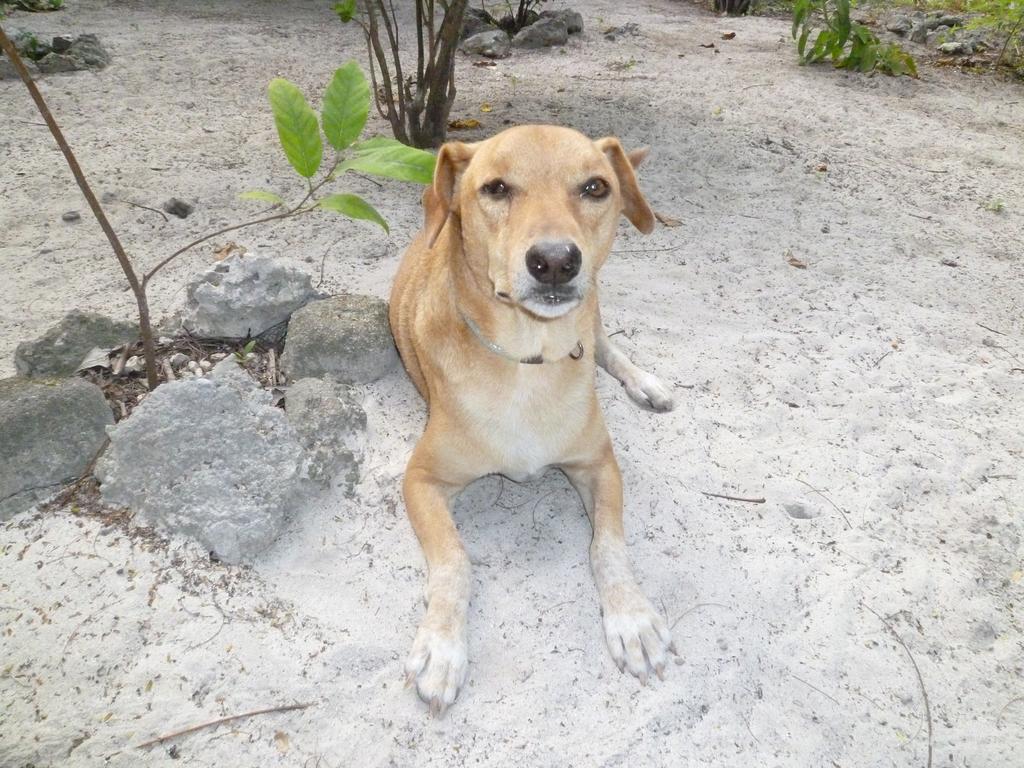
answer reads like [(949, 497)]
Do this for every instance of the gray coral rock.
[(245, 296), (573, 19), (211, 459), (51, 431), (84, 52), (543, 33), (346, 338), (60, 350), (331, 424), (901, 25), (495, 44)]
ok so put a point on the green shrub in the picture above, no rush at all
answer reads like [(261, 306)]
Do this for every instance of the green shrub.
[(848, 44)]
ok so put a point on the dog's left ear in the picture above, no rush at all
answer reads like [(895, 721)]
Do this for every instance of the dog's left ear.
[(634, 204), (437, 198)]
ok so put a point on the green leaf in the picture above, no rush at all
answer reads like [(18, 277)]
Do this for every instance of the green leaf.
[(345, 10), (802, 43), (392, 159), (354, 207), (262, 195), (296, 126), (346, 106)]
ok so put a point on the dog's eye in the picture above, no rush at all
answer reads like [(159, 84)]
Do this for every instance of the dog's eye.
[(497, 188), (596, 189)]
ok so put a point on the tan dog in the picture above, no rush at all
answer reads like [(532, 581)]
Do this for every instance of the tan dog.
[(495, 313)]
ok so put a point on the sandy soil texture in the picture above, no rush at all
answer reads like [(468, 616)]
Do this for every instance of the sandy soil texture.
[(867, 614)]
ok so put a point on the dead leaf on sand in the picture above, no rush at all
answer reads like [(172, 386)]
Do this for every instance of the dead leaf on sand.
[(281, 740), (707, 45), (464, 124), (227, 249), (728, 35), (485, 63), (668, 221), (793, 261)]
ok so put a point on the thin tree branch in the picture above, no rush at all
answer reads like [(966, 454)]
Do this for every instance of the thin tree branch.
[(137, 287)]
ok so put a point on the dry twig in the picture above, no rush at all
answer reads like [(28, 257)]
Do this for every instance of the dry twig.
[(221, 721), (759, 500), (917, 671), (835, 506)]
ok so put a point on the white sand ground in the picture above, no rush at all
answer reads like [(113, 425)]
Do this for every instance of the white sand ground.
[(866, 375)]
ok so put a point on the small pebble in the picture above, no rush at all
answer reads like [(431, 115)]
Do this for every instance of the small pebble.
[(178, 359), (71, 216), (205, 365), (218, 356), (178, 208), (193, 366)]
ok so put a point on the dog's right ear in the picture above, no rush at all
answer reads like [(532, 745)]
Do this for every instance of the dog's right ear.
[(437, 199), (637, 156)]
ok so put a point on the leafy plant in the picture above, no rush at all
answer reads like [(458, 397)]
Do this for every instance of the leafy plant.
[(416, 102), (241, 355), (848, 44), (344, 114), (34, 5), (346, 107)]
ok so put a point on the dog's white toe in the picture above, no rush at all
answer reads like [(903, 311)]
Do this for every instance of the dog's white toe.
[(638, 638), (437, 665), (648, 391)]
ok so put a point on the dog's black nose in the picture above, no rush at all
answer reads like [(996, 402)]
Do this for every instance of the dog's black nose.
[(553, 262)]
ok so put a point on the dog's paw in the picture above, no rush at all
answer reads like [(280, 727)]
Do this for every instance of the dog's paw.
[(648, 391), (437, 665), (638, 636)]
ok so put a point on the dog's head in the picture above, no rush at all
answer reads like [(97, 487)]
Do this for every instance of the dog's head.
[(537, 207)]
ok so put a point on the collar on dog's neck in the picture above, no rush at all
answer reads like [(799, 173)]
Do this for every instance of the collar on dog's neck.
[(497, 349)]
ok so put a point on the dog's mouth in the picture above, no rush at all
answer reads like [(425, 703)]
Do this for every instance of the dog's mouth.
[(551, 300)]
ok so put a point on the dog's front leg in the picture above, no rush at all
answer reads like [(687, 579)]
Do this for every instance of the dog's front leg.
[(638, 636), (645, 389), (438, 661)]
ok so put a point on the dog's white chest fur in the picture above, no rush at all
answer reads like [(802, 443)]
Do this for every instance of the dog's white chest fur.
[(525, 425)]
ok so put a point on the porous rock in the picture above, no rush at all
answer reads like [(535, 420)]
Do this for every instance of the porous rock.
[(8, 72), (84, 52), (62, 43), (495, 44), (330, 421), (245, 295), (544, 33), (901, 25), (954, 48), (926, 26), (573, 19), (475, 21), (51, 430), (60, 350), (346, 338), (208, 458)]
